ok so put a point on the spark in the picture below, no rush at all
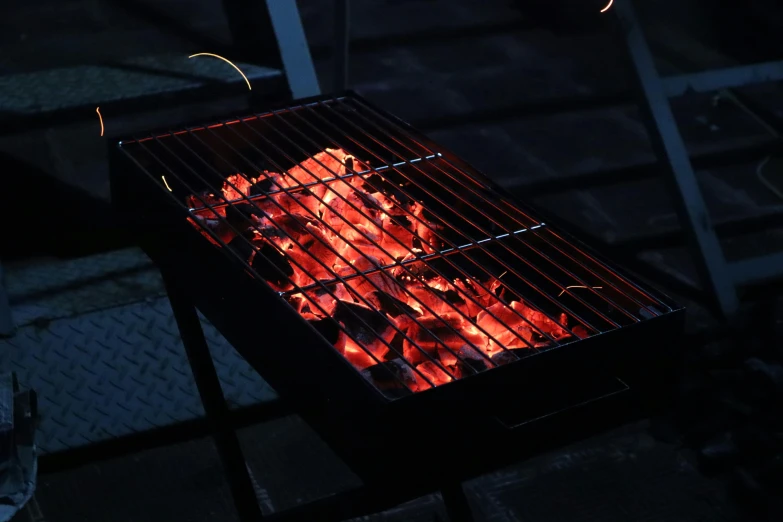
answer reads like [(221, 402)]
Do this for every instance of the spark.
[(166, 183), (605, 9), (579, 286), (100, 118), (228, 62)]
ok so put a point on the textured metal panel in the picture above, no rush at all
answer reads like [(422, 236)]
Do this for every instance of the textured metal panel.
[(50, 289), (118, 371), (46, 275), (57, 89)]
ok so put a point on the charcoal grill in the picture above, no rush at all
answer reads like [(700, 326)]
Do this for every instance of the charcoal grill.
[(426, 324)]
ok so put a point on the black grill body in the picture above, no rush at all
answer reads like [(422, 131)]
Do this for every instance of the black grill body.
[(405, 445)]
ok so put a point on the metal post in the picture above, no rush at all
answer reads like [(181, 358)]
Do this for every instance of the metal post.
[(342, 40), (7, 327), (670, 149), (214, 402), (457, 506), (294, 51)]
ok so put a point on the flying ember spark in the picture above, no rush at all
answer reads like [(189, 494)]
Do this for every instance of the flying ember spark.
[(100, 118), (228, 62)]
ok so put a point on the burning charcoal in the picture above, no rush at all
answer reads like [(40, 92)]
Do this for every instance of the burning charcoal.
[(236, 186), (391, 306), (240, 215), (430, 332), (371, 233), (271, 264), (365, 325), (328, 328), (505, 326), (438, 301), (472, 358), (393, 375), (504, 357), (243, 246), (360, 356), (302, 203), (379, 280), (387, 188), (427, 328), (434, 373), (219, 227), (262, 186), (478, 297), (323, 165), (293, 226), (425, 229), (544, 323), (366, 202), (206, 199)]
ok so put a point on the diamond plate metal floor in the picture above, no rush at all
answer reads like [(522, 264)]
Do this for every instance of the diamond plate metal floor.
[(99, 344)]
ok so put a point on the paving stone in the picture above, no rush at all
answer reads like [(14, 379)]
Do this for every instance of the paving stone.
[(118, 371)]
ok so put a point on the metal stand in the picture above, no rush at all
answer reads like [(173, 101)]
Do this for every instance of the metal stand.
[(231, 456), (214, 402), (7, 327), (719, 276)]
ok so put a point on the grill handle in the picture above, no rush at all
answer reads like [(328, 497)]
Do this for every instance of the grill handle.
[(513, 422)]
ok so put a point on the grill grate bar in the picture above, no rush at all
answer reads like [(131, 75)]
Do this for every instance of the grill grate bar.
[(489, 202), (368, 279), (505, 202), (468, 276), (364, 249), (402, 287), (474, 323), (313, 302), (365, 302), (426, 257), (496, 258), (305, 186), (219, 241)]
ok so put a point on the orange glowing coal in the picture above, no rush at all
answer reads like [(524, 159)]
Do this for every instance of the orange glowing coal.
[(363, 243)]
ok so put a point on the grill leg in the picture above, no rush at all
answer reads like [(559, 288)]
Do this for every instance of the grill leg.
[(214, 403), (456, 503)]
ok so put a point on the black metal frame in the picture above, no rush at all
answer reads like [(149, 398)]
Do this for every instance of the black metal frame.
[(357, 421)]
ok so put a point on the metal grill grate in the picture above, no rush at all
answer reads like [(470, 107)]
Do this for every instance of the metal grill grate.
[(474, 281)]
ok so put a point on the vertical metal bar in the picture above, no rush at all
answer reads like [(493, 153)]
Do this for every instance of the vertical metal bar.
[(7, 327), (294, 51), (457, 506), (670, 148), (208, 384), (342, 42)]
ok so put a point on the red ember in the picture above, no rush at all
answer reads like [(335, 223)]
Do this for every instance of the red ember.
[(443, 329)]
